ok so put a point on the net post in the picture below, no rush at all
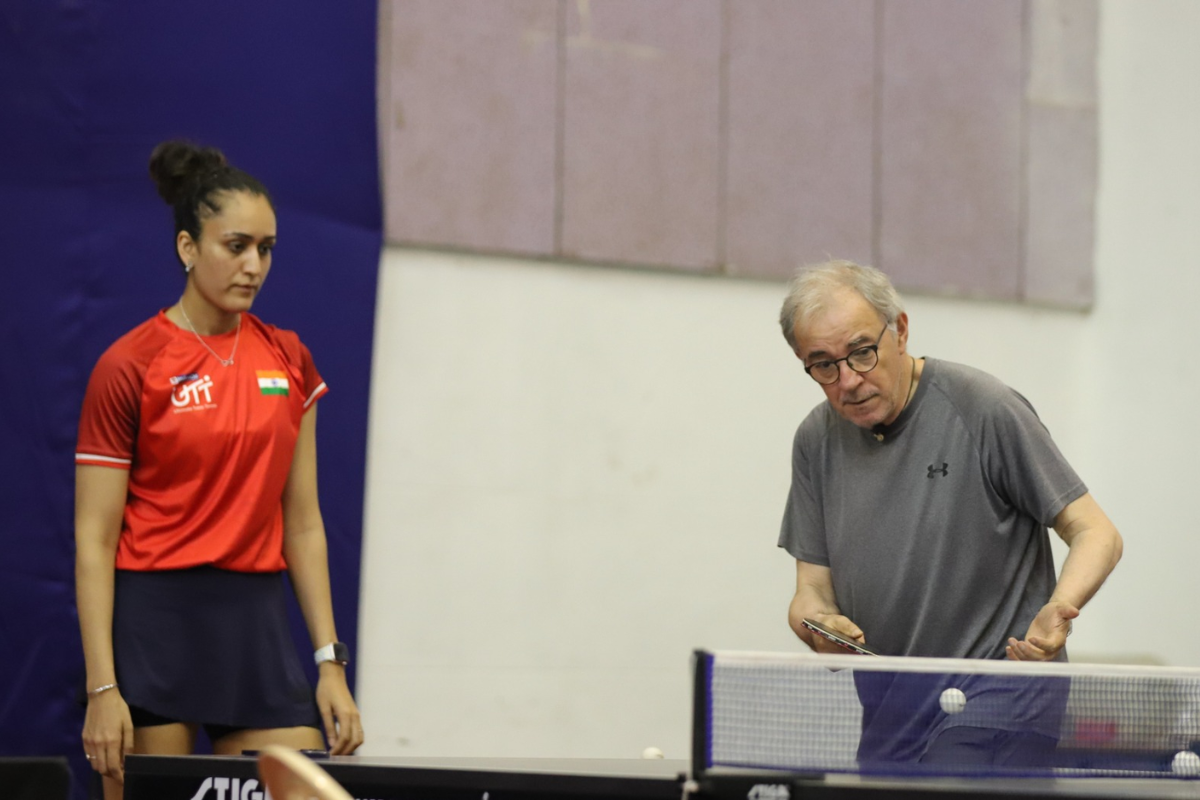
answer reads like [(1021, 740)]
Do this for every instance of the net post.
[(701, 713)]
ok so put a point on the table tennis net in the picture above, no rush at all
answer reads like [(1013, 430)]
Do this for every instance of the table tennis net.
[(826, 713)]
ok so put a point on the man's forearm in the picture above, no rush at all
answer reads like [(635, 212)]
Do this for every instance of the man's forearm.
[(1095, 548), (1093, 555), (815, 598)]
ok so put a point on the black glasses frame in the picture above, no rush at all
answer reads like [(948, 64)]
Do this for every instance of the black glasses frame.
[(858, 351)]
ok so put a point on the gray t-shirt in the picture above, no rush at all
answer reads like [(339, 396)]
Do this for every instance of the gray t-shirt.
[(935, 532)]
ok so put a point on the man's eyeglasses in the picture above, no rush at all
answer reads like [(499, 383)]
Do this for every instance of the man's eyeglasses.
[(861, 360)]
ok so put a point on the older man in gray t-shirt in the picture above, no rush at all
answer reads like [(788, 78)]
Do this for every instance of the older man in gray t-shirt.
[(921, 495)]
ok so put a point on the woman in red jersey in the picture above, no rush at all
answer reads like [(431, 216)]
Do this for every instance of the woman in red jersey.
[(196, 487)]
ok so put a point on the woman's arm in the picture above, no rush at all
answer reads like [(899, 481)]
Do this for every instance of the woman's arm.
[(99, 507), (304, 548)]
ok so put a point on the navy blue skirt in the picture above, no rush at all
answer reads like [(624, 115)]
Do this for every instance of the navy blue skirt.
[(209, 646)]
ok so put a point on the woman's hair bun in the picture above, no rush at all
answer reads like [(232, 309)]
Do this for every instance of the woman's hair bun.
[(176, 163)]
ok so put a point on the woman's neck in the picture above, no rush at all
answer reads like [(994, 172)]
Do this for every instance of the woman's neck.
[(194, 313)]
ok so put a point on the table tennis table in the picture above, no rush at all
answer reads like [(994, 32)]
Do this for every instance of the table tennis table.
[(397, 778), (758, 785)]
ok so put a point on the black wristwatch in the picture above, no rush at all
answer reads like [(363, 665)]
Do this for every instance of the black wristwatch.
[(334, 651)]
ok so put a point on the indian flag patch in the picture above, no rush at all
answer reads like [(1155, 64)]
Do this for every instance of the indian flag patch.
[(271, 381)]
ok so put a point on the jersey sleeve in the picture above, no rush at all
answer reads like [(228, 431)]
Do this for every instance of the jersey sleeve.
[(314, 385), (108, 422), (1025, 464)]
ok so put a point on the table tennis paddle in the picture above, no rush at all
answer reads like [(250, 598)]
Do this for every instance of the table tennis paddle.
[(837, 638)]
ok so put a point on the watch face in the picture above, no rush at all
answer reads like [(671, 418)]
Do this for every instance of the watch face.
[(341, 653)]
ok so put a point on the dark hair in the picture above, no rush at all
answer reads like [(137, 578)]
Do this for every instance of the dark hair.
[(190, 177)]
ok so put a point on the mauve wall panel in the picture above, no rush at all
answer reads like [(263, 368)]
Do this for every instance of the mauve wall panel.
[(800, 165), (950, 142), (951, 146), (1062, 153), (640, 146), (1060, 235), (470, 124)]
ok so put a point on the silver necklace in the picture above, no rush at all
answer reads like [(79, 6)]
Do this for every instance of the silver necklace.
[(225, 362)]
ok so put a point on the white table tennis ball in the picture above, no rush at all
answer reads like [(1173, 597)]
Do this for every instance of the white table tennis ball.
[(652, 752), (1185, 762), (953, 701)]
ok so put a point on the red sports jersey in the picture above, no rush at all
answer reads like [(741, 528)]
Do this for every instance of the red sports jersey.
[(208, 447)]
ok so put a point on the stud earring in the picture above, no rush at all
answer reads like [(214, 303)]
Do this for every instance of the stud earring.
[(188, 268)]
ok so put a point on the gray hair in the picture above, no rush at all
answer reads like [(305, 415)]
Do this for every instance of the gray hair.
[(811, 288)]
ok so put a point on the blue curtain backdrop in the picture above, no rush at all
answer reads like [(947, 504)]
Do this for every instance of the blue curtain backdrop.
[(87, 88)]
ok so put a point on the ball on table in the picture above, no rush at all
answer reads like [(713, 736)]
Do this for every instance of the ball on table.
[(652, 752), (1185, 762), (953, 701)]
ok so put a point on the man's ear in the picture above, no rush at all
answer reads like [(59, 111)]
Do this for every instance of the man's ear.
[(902, 332)]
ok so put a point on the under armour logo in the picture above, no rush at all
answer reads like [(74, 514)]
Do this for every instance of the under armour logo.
[(945, 470)]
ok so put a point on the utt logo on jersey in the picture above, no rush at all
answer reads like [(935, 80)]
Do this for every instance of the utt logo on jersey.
[(187, 395), (271, 381)]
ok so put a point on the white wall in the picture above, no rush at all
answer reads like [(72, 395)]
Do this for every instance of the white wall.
[(576, 474)]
